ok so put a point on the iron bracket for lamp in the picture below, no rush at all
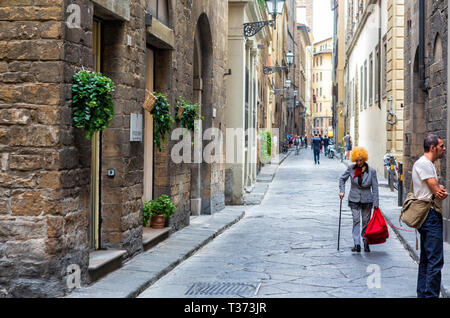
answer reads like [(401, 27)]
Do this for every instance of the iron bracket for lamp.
[(251, 28), (267, 70)]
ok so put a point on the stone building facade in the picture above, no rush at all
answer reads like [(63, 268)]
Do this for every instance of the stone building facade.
[(48, 188), (303, 75), (426, 86)]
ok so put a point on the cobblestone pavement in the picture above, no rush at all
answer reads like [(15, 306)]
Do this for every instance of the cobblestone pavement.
[(287, 247)]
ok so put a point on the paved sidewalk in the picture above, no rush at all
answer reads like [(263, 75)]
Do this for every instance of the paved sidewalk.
[(144, 269), (391, 211)]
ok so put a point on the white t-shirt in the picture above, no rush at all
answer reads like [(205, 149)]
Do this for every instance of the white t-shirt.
[(423, 169)]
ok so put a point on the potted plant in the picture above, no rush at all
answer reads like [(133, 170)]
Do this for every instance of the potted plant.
[(157, 211), (92, 105)]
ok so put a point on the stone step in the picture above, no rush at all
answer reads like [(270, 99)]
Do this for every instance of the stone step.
[(151, 237), (103, 262)]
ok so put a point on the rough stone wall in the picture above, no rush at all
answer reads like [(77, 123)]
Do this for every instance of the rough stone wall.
[(213, 176), (428, 107), (45, 161), (43, 199), (121, 196), (426, 112)]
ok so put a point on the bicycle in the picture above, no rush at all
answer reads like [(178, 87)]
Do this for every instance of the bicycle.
[(391, 166), (285, 147)]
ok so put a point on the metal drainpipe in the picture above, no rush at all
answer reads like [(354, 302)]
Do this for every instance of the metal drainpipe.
[(422, 44)]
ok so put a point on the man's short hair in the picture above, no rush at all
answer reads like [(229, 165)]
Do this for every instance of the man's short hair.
[(430, 140)]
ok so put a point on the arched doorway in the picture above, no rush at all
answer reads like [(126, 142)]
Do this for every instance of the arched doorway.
[(202, 93)]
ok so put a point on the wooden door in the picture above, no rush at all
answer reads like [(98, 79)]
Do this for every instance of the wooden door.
[(148, 138)]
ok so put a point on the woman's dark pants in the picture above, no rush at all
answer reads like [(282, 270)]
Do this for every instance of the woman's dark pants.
[(431, 256)]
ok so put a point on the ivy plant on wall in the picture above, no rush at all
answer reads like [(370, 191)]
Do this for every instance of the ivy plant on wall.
[(162, 119), (92, 105)]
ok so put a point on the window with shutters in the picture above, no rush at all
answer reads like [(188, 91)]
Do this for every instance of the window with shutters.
[(365, 84), (377, 74)]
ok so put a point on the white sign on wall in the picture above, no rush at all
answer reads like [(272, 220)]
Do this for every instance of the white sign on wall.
[(136, 123)]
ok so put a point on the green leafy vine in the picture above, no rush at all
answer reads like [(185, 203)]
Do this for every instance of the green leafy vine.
[(163, 120), (92, 105), (189, 115)]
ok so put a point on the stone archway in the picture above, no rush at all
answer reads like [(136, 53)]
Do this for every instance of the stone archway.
[(202, 93)]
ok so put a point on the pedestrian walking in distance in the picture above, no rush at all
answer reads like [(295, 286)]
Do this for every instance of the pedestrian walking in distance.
[(426, 186), (363, 194), (297, 145), (316, 145), (326, 144), (348, 144)]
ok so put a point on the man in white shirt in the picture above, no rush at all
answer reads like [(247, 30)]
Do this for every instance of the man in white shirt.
[(425, 185)]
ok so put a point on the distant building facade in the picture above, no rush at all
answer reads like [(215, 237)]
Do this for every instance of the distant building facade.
[(322, 112)]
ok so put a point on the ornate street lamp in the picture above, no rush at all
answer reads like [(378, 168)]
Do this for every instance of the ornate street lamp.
[(274, 7), (287, 84), (289, 58)]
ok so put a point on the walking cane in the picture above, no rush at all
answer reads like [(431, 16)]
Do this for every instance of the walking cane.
[(339, 232)]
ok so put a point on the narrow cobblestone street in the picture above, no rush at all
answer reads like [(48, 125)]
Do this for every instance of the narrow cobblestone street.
[(287, 246)]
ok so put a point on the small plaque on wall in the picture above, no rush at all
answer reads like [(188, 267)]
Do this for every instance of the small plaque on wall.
[(136, 121)]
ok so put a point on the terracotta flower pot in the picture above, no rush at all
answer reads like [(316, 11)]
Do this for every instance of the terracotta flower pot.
[(158, 221)]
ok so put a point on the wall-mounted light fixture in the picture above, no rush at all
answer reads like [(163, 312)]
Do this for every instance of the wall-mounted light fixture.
[(287, 83), (274, 8)]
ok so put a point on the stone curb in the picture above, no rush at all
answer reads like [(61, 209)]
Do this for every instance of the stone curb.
[(445, 291)]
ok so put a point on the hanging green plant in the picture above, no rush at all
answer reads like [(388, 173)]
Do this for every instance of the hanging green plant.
[(92, 105), (162, 119), (188, 113)]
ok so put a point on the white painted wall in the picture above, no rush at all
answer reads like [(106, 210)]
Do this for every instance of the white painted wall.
[(372, 119)]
